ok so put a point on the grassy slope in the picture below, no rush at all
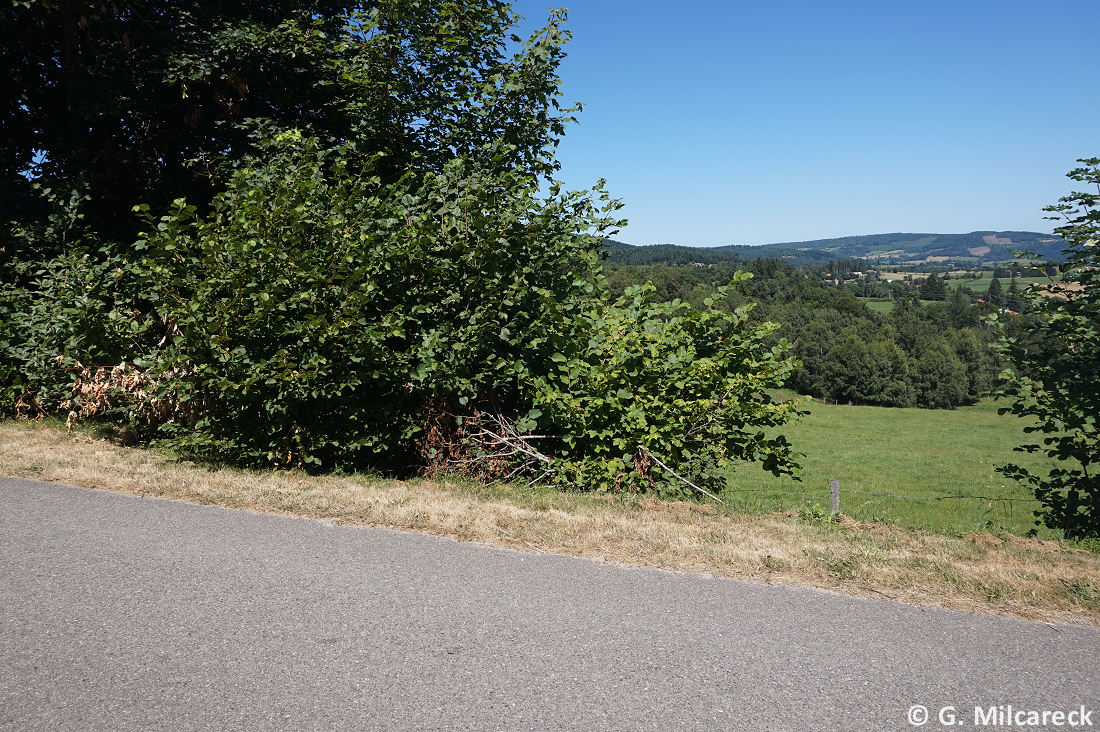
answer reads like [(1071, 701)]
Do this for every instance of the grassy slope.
[(911, 452)]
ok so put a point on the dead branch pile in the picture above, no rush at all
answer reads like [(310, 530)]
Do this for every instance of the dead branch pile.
[(482, 443), (487, 444)]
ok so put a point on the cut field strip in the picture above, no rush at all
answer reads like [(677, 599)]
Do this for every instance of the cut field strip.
[(991, 573)]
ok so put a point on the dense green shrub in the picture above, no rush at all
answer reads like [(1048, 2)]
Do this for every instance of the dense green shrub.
[(316, 310), (80, 308), (383, 249), (689, 387)]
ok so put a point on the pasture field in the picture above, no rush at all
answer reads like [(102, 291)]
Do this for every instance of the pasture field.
[(907, 452), (880, 305), (884, 305), (979, 287)]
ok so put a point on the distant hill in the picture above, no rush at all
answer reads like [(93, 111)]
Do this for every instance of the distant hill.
[(675, 255), (678, 256), (975, 248)]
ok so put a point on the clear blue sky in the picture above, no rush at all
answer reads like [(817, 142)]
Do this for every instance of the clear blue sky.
[(750, 123)]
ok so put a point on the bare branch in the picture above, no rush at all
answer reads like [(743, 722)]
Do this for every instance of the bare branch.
[(673, 472)]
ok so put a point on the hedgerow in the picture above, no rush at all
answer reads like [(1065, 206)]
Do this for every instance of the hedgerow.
[(392, 280)]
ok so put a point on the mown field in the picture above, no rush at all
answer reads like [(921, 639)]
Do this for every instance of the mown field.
[(908, 452)]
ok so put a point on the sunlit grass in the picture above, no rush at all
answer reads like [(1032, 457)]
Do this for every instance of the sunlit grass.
[(882, 305), (909, 452)]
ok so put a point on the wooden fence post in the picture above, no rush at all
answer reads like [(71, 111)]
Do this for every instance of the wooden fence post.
[(834, 495)]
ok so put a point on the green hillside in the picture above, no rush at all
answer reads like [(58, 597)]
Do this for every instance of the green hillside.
[(974, 249), (673, 255), (977, 246)]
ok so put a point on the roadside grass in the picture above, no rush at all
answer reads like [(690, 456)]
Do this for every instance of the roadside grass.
[(922, 453), (987, 572)]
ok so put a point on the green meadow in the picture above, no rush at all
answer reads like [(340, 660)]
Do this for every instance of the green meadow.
[(884, 305), (881, 305), (917, 453), (981, 286)]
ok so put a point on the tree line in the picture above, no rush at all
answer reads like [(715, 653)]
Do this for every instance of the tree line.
[(937, 355)]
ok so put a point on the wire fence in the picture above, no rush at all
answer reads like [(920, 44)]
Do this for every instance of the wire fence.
[(886, 495), (1014, 514), (944, 498)]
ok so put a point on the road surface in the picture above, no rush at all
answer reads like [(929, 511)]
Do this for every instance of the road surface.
[(122, 613)]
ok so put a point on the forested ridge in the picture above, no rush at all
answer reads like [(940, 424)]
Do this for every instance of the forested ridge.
[(975, 249)]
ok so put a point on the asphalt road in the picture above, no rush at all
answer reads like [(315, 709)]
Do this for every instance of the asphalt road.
[(121, 613)]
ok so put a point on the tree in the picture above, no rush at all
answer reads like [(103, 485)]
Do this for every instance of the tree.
[(995, 295), (118, 97), (1054, 376), (1013, 297), (911, 332), (940, 377), (140, 101), (811, 348), (959, 309), (933, 288), (862, 373), (978, 359)]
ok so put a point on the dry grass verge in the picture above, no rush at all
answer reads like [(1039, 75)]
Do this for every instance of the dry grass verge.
[(1004, 575)]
